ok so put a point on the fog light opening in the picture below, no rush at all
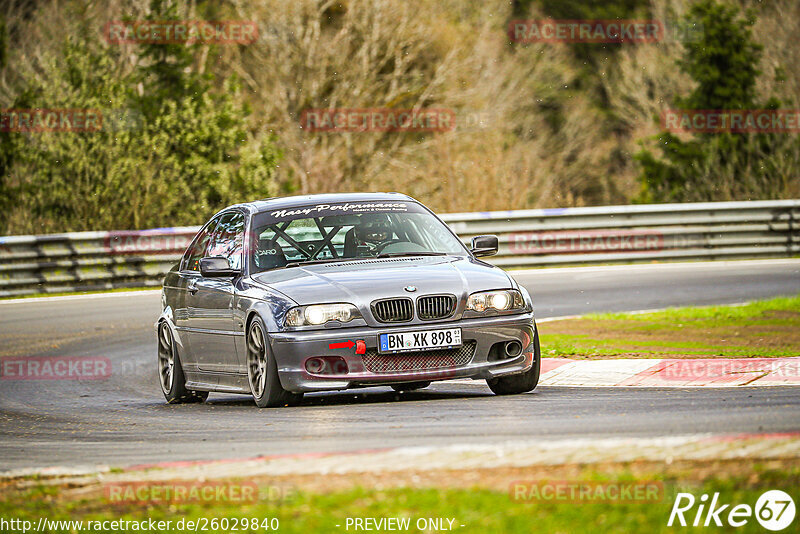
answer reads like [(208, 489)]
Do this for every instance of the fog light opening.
[(513, 349), (327, 365), (315, 365)]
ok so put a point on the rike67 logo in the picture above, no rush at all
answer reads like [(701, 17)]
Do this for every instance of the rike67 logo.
[(774, 510)]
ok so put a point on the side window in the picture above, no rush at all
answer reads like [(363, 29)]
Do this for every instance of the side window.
[(227, 240), (191, 259)]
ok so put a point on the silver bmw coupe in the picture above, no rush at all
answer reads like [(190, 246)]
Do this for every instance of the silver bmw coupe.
[(283, 296)]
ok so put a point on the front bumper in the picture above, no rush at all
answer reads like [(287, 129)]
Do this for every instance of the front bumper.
[(292, 349)]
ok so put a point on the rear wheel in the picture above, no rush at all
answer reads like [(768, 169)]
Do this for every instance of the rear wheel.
[(523, 382), (262, 371), (410, 386), (170, 372)]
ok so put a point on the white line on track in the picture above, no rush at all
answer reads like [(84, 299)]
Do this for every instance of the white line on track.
[(88, 296), (655, 266)]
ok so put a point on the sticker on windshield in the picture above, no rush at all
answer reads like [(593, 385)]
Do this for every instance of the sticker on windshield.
[(322, 210)]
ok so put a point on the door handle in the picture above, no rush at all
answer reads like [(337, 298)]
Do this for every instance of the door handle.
[(191, 288)]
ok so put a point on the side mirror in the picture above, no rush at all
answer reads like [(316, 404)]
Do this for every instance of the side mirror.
[(485, 245), (216, 266)]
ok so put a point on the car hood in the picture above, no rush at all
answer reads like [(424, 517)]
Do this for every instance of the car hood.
[(361, 282)]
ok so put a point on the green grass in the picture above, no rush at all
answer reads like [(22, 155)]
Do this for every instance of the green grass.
[(565, 346), (716, 315), (478, 510), (761, 329)]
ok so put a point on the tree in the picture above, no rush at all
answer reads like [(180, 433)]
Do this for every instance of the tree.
[(720, 166), (171, 154)]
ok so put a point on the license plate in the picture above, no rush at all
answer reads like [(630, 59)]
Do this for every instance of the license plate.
[(427, 339)]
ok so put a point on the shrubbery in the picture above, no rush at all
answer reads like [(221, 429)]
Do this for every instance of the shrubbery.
[(194, 128), (173, 148), (721, 166)]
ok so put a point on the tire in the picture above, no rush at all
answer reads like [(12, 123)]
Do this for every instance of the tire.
[(523, 382), (410, 386), (170, 372), (262, 371)]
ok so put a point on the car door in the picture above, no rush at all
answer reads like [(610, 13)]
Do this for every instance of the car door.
[(210, 300), (187, 276)]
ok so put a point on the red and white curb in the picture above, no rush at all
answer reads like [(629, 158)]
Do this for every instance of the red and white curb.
[(679, 373), (704, 372), (459, 457)]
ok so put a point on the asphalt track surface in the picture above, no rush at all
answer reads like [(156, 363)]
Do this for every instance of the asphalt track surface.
[(124, 421)]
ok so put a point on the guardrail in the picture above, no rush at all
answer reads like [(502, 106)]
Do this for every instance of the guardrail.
[(528, 238)]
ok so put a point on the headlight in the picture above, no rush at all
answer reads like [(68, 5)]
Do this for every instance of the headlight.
[(505, 300), (318, 314)]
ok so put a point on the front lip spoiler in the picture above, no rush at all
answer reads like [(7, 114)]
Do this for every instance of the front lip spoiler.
[(444, 373), (292, 349), (480, 371)]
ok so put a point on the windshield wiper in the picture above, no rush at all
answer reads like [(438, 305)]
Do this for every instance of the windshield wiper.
[(401, 254), (382, 255), (316, 262)]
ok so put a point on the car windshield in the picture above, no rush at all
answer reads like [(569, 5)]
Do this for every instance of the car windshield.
[(347, 231)]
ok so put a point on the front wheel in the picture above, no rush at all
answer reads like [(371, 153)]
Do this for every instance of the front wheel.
[(262, 371), (170, 372), (523, 382)]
